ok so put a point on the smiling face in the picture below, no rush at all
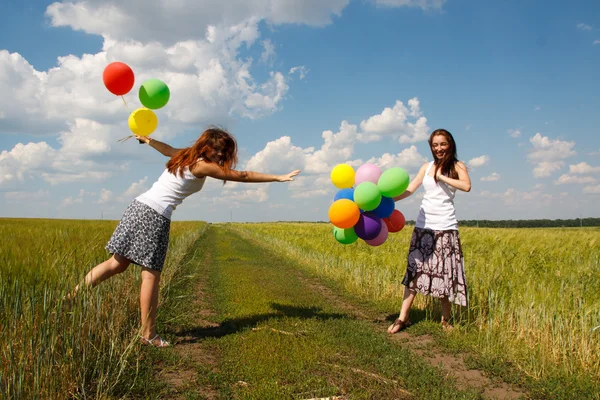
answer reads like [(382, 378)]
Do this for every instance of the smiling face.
[(439, 146)]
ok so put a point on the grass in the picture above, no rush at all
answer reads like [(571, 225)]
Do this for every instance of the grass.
[(534, 297), (51, 349), (276, 338)]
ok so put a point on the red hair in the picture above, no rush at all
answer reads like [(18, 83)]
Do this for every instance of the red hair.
[(210, 144)]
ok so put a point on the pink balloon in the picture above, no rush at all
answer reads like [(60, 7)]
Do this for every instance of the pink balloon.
[(367, 173), (381, 238)]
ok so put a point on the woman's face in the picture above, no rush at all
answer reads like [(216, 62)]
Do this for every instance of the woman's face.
[(215, 154), (439, 146)]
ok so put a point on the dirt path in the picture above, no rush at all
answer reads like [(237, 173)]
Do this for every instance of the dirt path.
[(424, 346), (184, 380)]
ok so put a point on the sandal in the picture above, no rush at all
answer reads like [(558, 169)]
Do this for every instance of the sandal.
[(151, 342), (447, 326), (398, 326)]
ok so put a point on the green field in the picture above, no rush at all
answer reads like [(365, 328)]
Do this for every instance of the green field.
[(534, 303)]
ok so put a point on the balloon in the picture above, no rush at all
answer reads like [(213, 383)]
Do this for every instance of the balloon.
[(367, 173), (367, 196), (345, 236), (118, 78), (368, 226), (344, 213), (385, 208), (154, 94), (393, 182), (395, 222), (347, 193), (142, 121), (342, 176), (381, 238)]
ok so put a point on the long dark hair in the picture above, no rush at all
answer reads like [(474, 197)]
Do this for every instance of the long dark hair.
[(211, 139), (448, 162)]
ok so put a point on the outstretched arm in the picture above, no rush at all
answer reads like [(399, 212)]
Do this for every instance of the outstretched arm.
[(202, 169), (159, 146), (462, 183), (414, 184)]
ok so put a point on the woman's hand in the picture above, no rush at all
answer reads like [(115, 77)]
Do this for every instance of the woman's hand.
[(145, 139), (288, 177)]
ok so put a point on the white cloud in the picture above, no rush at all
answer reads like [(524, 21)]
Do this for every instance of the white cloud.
[(566, 179), (491, 178), (583, 168), (596, 42), (301, 70), (424, 4), (134, 190), (515, 133), (106, 196), (408, 159), (584, 27), (592, 189), (544, 169), (547, 154), (160, 21), (478, 161), (537, 108), (268, 54), (22, 196), (394, 122)]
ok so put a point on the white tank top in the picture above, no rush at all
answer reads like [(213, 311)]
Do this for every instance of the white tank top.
[(437, 208), (170, 190)]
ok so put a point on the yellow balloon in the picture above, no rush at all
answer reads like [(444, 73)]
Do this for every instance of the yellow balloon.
[(342, 176), (142, 121)]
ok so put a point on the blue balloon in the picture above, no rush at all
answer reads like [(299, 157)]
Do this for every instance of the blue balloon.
[(347, 193), (385, 208)]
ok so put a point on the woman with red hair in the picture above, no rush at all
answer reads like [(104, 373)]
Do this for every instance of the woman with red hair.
[(435, 259), (142, 236)]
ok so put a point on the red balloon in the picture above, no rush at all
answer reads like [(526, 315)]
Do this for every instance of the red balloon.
[(118, 78), (395, 222)]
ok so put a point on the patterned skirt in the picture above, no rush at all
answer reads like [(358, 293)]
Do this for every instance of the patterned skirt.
[(435, 265), (142, 236)]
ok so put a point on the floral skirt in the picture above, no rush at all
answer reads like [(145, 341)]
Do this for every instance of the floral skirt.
[(436, 266), (142, 236)]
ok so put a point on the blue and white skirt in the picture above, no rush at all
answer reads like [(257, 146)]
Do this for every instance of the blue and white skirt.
[(142, 236)]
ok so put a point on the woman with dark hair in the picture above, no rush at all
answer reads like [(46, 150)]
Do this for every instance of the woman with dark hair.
[(435, 259), (142, 236)]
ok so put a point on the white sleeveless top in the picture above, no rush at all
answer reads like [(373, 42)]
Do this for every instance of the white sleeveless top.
[(170, 190), (437, 208)]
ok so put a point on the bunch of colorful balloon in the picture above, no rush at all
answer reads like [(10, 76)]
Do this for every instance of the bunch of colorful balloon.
[(364, 207), (153, 94)]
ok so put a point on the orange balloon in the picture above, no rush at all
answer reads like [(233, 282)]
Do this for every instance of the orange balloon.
[(344, 213), (395, 222)]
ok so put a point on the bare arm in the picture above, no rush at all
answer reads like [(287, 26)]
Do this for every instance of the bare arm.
[(202, 169), (414, 184), (462, 183), (161, 147)]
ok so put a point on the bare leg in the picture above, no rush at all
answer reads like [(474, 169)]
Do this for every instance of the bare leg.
[(409, 297), (101, 272), (446, 312), (149, 304)]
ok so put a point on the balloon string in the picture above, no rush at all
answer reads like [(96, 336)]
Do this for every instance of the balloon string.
[(124, 102), (126, 138)]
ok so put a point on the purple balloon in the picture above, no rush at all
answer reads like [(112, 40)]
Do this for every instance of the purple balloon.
[(368, 226), (381, 238)]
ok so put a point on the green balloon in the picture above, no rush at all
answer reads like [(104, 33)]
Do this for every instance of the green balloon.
[(393, 182), (345, 236), (367, 196), (154, 94)]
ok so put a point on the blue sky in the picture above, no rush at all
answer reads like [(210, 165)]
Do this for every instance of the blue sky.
[(303, 85)]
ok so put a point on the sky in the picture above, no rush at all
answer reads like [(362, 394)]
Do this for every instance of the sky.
[(302, 85)]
